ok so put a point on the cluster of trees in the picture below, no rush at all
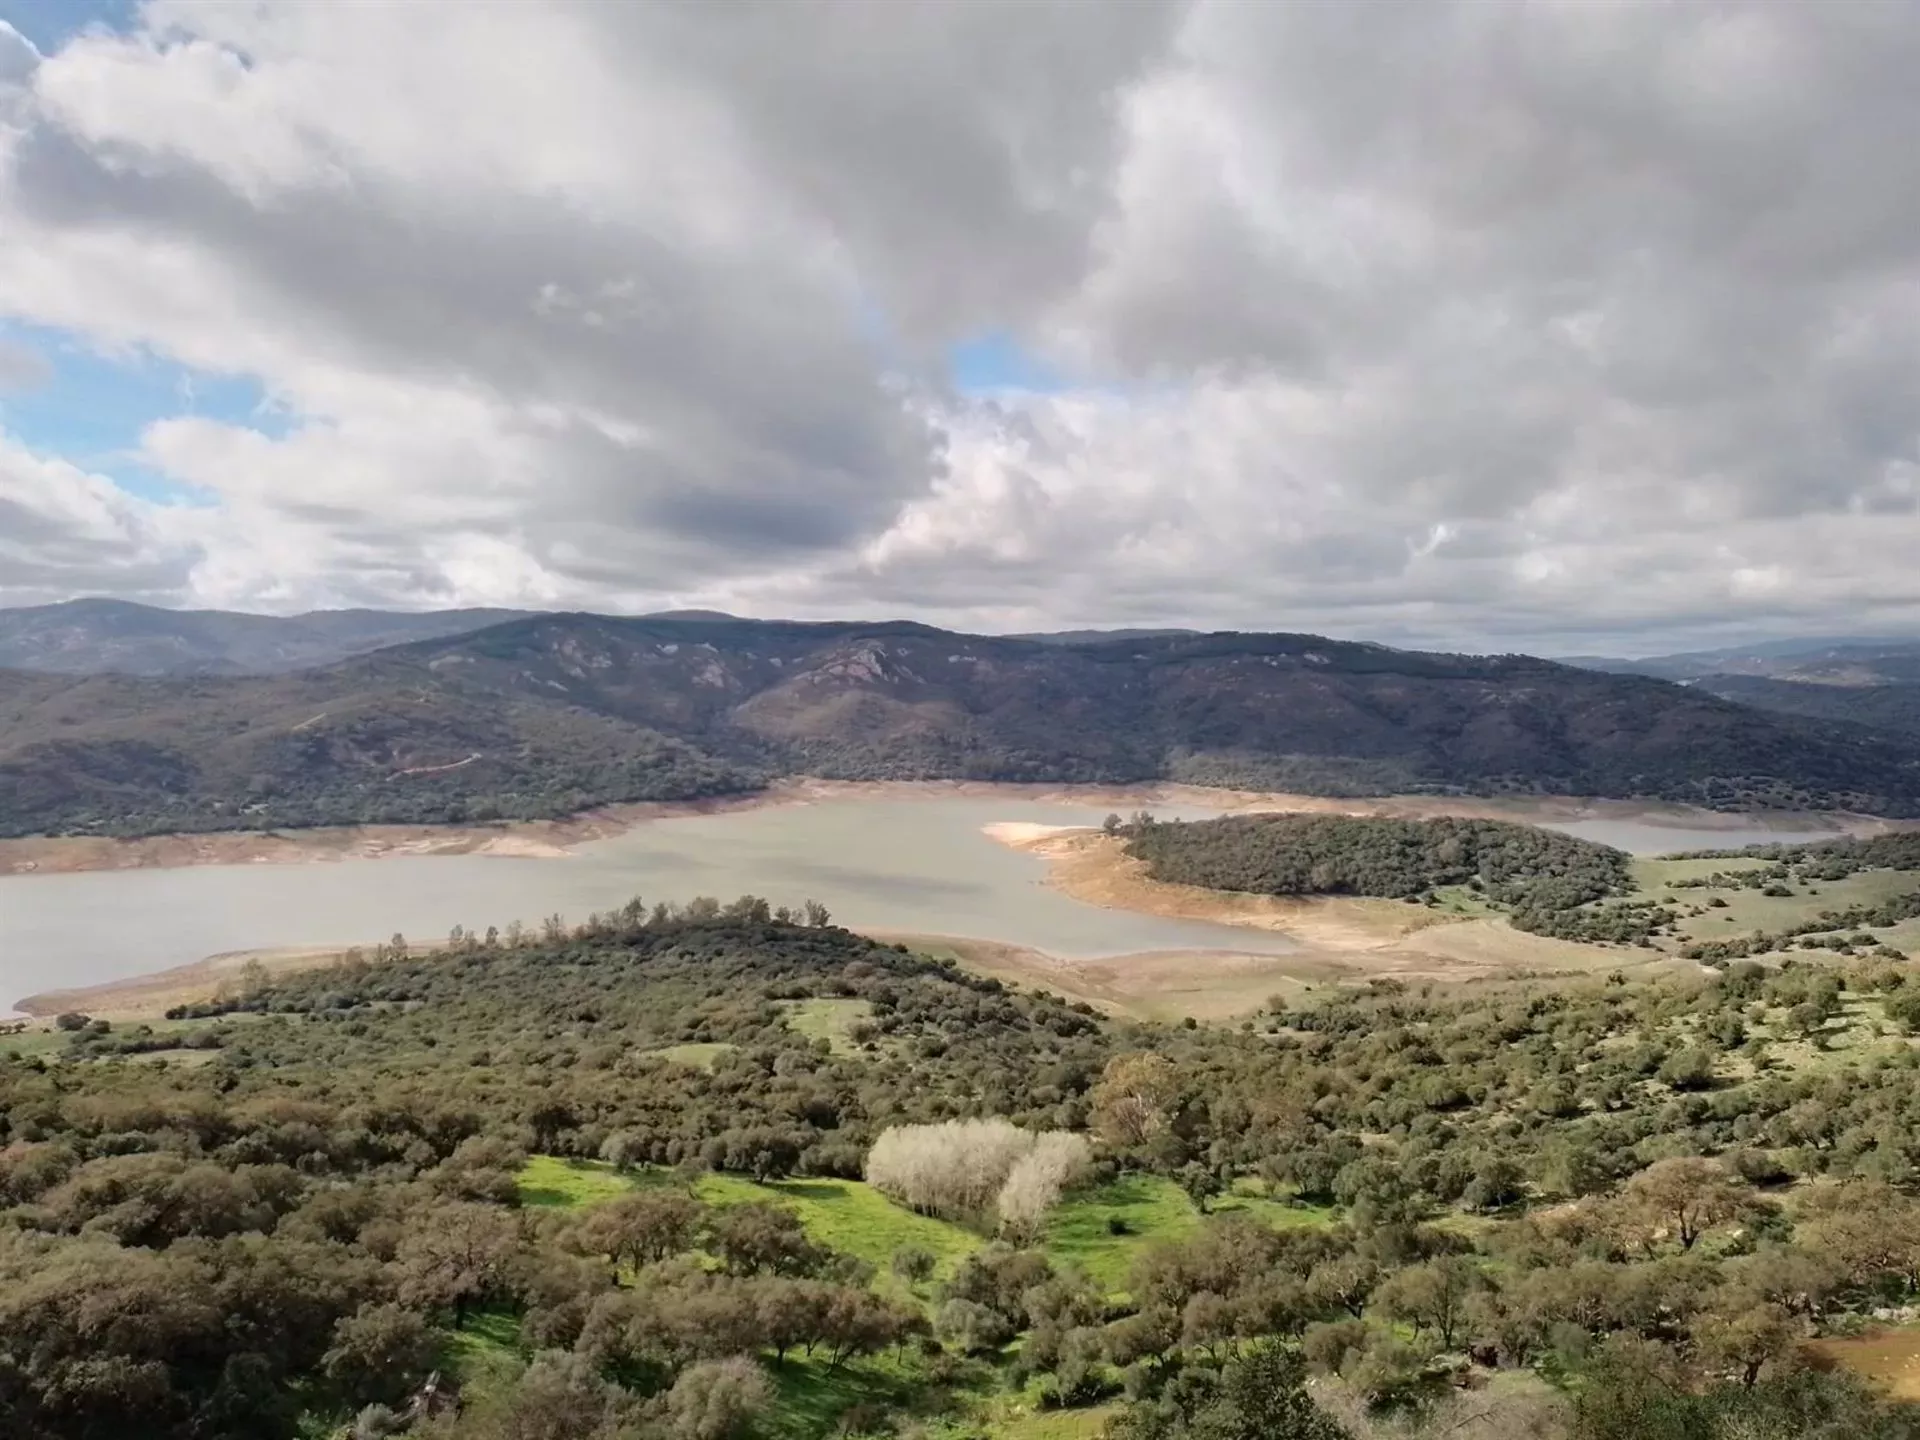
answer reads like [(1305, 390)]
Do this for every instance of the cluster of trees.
[(1546, 881), (287, 1236), (962, 1168), (1373, 855), (1826, 859)]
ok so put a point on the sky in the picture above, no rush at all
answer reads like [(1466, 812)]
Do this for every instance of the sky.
[(1558, 326)]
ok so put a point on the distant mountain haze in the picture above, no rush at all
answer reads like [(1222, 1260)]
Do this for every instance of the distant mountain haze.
[(1855, 660), (548, 714), (96, 637)]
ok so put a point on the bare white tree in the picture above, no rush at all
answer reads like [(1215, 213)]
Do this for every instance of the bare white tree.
[(963, 1167), (1057, 1159)]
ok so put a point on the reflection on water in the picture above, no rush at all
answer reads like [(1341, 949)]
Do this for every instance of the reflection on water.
[(919, 865)]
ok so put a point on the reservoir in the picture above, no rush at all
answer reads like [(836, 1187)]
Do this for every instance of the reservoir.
[(917, 865)]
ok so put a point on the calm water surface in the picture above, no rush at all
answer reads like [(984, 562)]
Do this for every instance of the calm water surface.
[(918, 865), (895, 865)]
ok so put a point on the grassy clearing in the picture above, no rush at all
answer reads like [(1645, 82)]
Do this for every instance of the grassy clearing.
[(852, 1217), (1149, 1208), (700, 1054), (1462, 900), (1251, 1197), (828, 1020), (845, 1215), (1848, 1040), (44, 1040), (549, 1182), (485, 1350), (812, 1399), (1748, 910), (33, 1042), (1025, 1424)]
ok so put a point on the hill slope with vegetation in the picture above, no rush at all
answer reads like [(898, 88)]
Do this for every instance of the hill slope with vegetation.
[(118, 637), (1893, 708), (492, 1194), (549, 714)]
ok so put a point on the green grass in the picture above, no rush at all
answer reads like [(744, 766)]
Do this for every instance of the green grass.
[(549, 1182), (1748, 910), (828, 1020), (33, 1042), (700, 1054), (1461, 900), (1151, 1207), (1023, 1424), (485, 1349), (850, 1216), (853, 1218), (810, 1398), (1252, 1198)]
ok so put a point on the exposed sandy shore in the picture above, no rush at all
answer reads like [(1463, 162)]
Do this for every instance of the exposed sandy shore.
[(554, 838), (1340, 938), (145, 997)]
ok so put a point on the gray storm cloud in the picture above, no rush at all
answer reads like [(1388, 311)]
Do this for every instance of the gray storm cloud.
[(1451, 322)]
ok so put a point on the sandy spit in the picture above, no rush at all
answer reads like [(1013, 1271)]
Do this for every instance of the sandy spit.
[(1340, 938), (146, 997)]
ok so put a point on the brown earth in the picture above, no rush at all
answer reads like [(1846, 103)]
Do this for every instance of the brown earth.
[(1341, 939), (1891, 1357), (147, 997)]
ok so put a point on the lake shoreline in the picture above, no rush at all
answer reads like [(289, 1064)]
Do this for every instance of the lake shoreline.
[(555, 839)]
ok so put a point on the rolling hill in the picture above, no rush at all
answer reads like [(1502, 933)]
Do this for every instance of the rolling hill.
[(100, 637), (1851, 661), (1894, 708), (551, 713)]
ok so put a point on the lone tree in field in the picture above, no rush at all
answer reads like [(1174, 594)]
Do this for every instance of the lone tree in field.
[(1135, 1097), (1684, 1197)]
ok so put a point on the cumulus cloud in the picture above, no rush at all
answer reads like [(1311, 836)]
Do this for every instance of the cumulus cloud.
[(1452, 322)]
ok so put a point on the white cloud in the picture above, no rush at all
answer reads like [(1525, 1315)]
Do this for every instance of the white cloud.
[(1443, 321)]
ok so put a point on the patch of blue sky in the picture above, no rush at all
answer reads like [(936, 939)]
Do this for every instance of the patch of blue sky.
[(995, 362), (91, 408), (49, 24)]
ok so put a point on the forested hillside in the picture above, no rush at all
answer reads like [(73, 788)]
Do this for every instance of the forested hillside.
[(546, 715), (116, 637), (1894, 708), (632, 1180)]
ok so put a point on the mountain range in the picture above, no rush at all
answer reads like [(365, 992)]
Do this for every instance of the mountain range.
[(95, 637), (1856, 661), (545, 714)]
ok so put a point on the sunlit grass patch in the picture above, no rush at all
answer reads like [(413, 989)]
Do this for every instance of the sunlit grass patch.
[(1082, 1231), (1035, 1424), (1255, 1199), (850, 1216), (828, 1019), (486, 1350), (813, 1399), (547, 1180)]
